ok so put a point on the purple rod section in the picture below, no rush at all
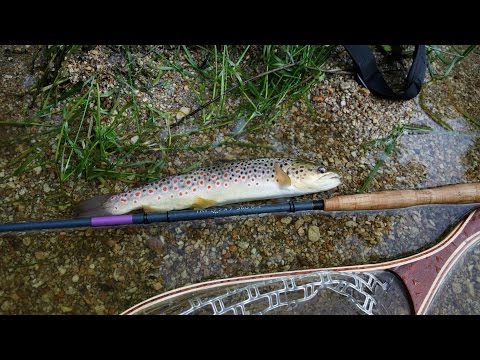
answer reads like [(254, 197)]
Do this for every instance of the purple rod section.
[(112, 220)]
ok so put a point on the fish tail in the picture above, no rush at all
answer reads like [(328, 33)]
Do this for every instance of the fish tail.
[(97, 206)]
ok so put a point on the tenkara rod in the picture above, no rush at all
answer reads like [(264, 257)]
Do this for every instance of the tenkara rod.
[(449, 194), (169, 216)]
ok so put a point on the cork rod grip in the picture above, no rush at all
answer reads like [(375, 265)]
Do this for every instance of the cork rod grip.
[(449, 194)]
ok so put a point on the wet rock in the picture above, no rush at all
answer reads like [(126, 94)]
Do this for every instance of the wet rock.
[(313, 233)]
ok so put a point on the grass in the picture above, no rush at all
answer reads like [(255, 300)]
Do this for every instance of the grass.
[(441, 62), (100, 133), (388, 144)]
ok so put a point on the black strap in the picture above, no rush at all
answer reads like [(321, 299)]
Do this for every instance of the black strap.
[(370, 76)]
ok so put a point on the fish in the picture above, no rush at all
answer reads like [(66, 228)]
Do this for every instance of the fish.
[(227, 183)]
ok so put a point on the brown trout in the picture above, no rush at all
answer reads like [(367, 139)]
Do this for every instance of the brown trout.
[(227, 183)]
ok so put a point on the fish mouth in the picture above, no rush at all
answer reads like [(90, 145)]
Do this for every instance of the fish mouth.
[(330, 180)]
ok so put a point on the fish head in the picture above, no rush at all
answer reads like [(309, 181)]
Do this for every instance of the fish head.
[(308, 176)]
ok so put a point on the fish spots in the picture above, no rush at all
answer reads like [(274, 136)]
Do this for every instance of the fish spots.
[(158, 198), (137, 193), (225, 175), (175, 181), (194, 189), (123, 199), (217, 183), (180, 193), (209, 187), (201, 182), (188, 182), (175, 188), (164, 188), (135, 201), (237, 171), (150, 191), (226, 184)]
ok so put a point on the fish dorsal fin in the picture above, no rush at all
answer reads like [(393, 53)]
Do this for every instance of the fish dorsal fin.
[(282, 177)]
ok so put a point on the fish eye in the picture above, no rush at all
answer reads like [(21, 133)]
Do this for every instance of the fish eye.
[(322, 170)]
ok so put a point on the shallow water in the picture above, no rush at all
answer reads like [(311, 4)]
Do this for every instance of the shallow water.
[(106, 271)]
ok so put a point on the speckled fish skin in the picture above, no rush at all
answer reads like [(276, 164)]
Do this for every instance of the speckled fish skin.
[(227, 183)]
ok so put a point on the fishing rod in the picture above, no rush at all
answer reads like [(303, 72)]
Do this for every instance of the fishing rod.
[(449, 194)]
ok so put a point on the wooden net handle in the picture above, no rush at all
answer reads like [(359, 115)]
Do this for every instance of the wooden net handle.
[(449, 194)]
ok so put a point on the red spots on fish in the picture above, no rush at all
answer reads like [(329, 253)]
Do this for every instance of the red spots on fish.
[(201, 173), (134, 201), (165, 188), (243, 177), (181, 181), (236, 180), (175, 188), (186, 192), (201, 182), (158, 197), (218, 183), (237, 171), (252, 179), (226, 184), (194, 189), (214, 176), (209, 187), (150, 191), (175, 181), (189, 182), (156, 182), (225, 175), (123, 199), (137, 194), (194, 179), (180, 193)]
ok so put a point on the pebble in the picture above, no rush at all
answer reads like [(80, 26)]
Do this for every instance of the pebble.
[(286, 220), (157, 285), (184, 111), (470, 288), (299, 223), (37, 170), (313, 233), (75, 278), (134, 139), (243, 244), (457, 288)]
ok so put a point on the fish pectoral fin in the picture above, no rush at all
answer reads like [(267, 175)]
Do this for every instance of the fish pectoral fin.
[(202, 203), (282, 177)]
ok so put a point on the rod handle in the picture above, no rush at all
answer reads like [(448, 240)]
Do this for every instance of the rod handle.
[(449, 194)]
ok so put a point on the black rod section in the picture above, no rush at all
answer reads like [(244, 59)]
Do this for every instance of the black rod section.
[(169, 216)]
